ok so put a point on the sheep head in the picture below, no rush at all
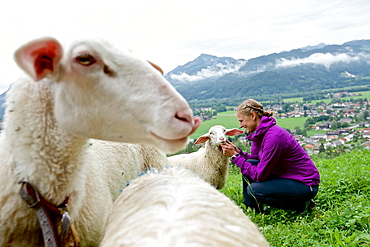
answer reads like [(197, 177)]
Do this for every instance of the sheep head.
[(106, 93), (217, 135)]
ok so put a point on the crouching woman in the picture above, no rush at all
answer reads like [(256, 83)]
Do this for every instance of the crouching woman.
[(277, 172)]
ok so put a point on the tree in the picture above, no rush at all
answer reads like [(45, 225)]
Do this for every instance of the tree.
[(360, 117), (345, 125), (334, 125), (321, 148), (310, 121), (298, 130), (366, 114), (304, 132)]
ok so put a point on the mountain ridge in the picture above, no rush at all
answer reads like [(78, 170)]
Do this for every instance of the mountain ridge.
[(299, 70)]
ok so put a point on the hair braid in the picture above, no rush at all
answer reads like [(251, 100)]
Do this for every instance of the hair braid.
[(251, 105)]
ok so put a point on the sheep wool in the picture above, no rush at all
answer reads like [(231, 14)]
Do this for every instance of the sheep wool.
[(70, 95), (208, 162), (174, 207)]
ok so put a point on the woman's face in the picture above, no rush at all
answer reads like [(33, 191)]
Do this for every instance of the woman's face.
[(250, 123)]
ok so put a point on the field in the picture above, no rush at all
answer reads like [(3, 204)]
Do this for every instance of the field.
[(229, 120), (342, 213), (365, 94)]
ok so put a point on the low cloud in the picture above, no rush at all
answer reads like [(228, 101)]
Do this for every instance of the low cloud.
[(324, 59), (217, 70)]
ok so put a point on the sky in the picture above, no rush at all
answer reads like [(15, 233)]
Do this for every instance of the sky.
[(170, 33)]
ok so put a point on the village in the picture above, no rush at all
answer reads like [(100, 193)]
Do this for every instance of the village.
[(345, 122)]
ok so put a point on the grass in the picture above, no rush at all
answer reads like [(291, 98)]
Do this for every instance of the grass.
[(291, 123), (364, 94), (229, 120), (342, 213)]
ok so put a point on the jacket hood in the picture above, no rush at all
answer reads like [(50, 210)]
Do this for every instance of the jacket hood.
[(265, 124)]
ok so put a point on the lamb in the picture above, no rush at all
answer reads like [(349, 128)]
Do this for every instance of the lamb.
[(89, 89), (174, 207), (209, 162)]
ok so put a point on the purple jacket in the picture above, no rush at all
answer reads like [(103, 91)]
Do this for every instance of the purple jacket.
[(280, 155)]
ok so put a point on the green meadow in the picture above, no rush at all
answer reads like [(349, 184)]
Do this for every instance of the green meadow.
[(341, 216), (229, 120), (364, 94)]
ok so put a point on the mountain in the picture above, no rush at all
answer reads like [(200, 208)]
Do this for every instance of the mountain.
[(305, 70), (2, 101), (302, 72)]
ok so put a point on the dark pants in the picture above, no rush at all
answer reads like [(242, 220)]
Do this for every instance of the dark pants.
[(277, 192)]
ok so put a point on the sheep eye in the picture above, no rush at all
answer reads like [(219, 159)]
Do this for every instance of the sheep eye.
[(85, 59)]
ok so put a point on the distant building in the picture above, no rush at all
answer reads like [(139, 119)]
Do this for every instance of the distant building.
[(345, 120), (322, 126), (332, 133), (318, 136)]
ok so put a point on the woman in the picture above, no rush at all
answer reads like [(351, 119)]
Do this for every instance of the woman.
[(277, 172)]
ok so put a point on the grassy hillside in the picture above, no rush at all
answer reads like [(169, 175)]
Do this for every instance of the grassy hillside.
[(342, 213)]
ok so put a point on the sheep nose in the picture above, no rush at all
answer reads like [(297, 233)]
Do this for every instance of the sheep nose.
[(185, 116)]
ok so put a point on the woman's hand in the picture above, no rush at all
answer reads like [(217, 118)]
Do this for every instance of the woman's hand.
[(229, 149)]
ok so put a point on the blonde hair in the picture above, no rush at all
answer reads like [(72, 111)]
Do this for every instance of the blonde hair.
[(251, 105)]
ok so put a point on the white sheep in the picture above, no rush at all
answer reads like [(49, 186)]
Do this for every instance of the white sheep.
[(126, 161), (209, 162), (89, 89), (174, 207)]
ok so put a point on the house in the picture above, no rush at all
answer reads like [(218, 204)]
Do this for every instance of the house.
[(298, 137), (332, 133), (348, 138), (329, 145), (345, 120), (322, 126), (365, 124), (330, 138), (365, 135), (328, 123), (318, 136), (309, 147), (345, 131)]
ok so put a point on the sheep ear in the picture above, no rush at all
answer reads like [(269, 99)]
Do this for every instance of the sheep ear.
[(156, 67), (202, 139), (39, 58), (233, 132)]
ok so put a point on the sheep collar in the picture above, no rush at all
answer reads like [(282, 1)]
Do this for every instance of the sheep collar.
[(54, 220)]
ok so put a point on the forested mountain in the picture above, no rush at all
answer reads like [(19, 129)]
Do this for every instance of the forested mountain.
[(299, 71)]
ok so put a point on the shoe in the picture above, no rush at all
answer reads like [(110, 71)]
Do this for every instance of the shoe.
[(311, 205)]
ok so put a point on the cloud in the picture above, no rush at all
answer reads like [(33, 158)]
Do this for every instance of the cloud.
[(324, 59), (217, 70)]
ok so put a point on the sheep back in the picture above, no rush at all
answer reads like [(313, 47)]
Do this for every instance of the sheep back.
[(208, 162), (177, 208)]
